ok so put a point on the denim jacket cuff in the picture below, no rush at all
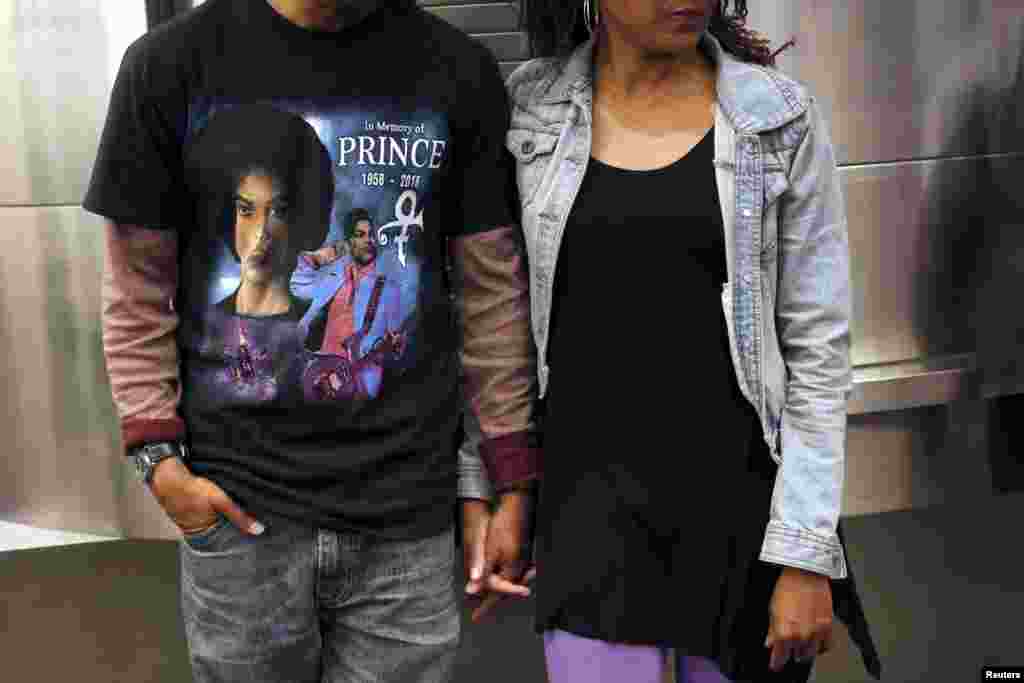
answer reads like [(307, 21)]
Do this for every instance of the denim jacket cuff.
[(795, 547)]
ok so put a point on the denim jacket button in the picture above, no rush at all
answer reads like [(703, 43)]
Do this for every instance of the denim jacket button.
[(527, 147)]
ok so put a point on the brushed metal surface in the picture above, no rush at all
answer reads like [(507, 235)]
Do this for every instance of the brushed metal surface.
[(909, 459), (22, 537), (919, 260), (900, 386), (506, 47), (58, 424), (895, 77), (491, 17), (57, 67)]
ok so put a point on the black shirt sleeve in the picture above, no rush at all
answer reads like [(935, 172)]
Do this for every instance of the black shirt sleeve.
[(483, 170), (137, 178)]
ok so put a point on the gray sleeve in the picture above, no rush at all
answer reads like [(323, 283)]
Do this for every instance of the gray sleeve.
[(473, 479)]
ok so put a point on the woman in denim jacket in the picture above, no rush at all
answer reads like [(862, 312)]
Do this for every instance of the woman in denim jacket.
[(696, 404)]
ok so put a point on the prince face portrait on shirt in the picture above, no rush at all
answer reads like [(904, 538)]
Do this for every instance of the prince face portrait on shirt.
[(276, 186), (269, 188)]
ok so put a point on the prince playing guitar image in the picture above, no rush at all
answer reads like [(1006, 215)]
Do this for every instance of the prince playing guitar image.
[(352, 324)]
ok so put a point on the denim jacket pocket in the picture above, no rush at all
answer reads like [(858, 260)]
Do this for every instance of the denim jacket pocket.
[(533, 151)]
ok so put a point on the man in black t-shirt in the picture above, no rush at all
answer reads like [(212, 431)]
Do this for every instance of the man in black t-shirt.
[(218, 164)]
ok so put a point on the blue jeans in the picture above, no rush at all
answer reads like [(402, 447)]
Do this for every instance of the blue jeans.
[(304, 605)]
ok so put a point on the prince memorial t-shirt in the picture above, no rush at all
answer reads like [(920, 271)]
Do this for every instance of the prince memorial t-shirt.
[(314, 179)]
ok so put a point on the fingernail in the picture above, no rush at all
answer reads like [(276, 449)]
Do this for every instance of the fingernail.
[(256, 529), (476, 573)]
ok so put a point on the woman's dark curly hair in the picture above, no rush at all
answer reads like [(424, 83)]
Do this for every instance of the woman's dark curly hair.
[(557, 27)]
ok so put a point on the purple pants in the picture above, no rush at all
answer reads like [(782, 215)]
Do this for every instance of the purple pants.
[(572, 659)]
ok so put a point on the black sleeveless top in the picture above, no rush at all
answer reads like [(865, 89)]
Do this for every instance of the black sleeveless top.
[(646, 431), (657, 481)]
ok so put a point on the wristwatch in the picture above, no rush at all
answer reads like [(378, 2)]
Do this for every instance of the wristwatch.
[(149, 455)]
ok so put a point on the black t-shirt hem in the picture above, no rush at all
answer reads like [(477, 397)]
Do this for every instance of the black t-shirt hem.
[(429, 520)]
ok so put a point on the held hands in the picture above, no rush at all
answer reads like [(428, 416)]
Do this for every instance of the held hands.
[(801, 617), (193, 503), (495, 546)]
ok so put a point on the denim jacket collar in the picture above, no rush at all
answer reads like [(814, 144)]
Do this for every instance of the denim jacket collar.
[(754, 99)]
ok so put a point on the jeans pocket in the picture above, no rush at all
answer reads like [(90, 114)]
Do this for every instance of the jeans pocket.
[(202, 541)]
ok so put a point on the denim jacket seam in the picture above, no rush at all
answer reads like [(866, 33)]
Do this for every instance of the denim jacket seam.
[(830, 563), (806, 543), (780, 529), (824, 567)]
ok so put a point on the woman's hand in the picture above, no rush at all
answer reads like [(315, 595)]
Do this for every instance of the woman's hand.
[(801, 617), (494, 545)]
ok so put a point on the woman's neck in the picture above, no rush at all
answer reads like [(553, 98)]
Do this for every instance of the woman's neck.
[(624, 70)]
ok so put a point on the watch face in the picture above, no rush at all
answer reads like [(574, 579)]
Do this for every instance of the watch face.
[(141, 464)]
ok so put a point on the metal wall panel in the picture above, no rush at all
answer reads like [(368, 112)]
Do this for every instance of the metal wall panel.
[(896, 225), (507, 47), (895, 77), (58, 64), (58, 423), (495, 24), (494, 17), (908, 459), (936, 251), (61, 446)]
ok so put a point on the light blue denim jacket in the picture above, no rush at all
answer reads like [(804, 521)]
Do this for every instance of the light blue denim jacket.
[(787, 301)]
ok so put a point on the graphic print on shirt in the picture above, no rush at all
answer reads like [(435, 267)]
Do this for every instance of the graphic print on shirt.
[(313, 216)]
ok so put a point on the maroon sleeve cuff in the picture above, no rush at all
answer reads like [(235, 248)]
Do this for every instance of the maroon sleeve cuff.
[(511, 459), (137, 432)]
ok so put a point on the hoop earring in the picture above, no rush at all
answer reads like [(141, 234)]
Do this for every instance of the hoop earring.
[(591, 15)]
